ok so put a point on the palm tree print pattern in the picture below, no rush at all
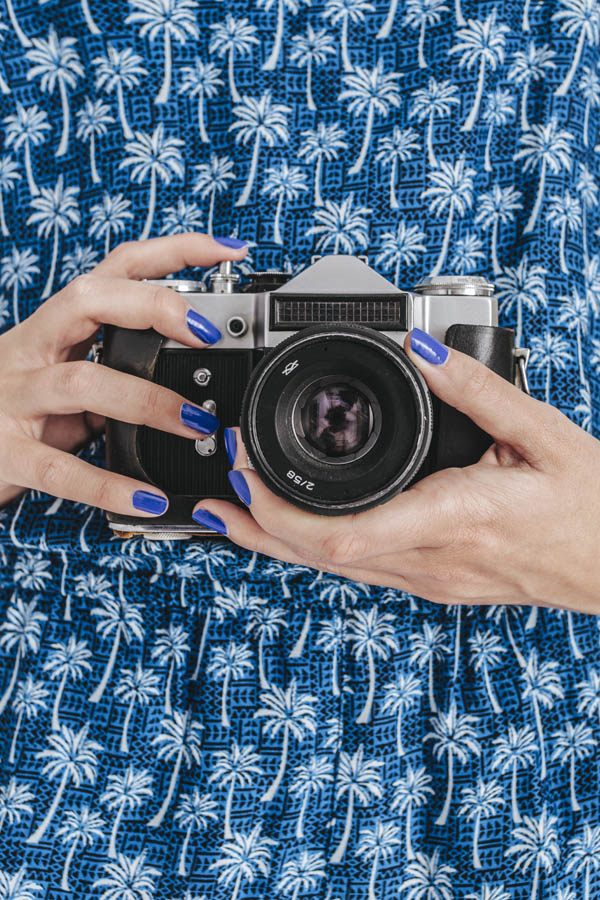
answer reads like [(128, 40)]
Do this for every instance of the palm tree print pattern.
[(185, 721)]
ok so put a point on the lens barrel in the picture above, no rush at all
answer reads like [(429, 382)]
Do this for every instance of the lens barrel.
[(336, 419)]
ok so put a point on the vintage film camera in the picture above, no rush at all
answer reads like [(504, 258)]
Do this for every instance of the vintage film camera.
[(334, 416)]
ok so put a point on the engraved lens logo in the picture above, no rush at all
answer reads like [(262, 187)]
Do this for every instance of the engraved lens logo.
[(290, 368)]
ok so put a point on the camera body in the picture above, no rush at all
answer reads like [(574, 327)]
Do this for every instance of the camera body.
[(334, 416)]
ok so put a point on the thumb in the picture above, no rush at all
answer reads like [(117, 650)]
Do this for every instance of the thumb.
[(503, 410)]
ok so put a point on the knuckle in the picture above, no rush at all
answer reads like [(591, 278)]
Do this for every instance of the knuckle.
[(75, 378), (153, 402), (163, 300), (481, 382), (345, 547), (123, 251), (81, 288), (52, 474), (101, 495)]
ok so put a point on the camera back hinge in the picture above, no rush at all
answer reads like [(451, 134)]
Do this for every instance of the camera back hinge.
[(521, 359)]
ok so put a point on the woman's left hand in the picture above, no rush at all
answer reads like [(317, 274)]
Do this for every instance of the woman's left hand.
[(521, 526)]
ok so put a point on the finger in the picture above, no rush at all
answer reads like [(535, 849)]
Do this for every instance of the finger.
[(73, 387), (34, 465), (162, 256), (500, 408), (74, 314)]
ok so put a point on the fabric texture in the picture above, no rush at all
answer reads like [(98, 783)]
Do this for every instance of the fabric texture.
[(188, 720)]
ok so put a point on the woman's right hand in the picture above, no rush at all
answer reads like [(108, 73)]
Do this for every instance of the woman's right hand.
[(52, 401)]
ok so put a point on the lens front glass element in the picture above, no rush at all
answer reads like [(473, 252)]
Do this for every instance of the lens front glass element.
[(337, 419)]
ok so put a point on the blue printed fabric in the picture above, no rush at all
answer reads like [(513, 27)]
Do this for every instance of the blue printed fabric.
[(187, 721)]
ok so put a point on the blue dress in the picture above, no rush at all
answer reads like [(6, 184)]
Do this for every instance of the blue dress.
[(189, 720)]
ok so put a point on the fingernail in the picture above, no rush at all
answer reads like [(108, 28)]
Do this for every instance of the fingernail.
[(427, 347), (198, 418), (230, 242), (202, 328), (240, 486), (206, 518), (231, 445), (148, 502)]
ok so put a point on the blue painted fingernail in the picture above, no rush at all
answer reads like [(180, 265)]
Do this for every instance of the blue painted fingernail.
[(240, 486), (230, 445), (230, 242), (202, 328), (427, 347), (198, 418), (148, 502), (206, 518)]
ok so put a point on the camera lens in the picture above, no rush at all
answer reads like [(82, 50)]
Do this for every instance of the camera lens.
[(336, 419)]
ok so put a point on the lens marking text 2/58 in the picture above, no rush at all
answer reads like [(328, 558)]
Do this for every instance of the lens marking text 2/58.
[(300, 481)]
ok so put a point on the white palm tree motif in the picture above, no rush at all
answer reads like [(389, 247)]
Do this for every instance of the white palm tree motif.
[(227, 601), (530, 65), (56, 210), (231, 37), (184, 570), (171, 19), (293, 6), (193, 813), (486, 654), (565, 213), (213, 555), (454, 734), (330, 638), (22, 631), (400, 247), (128, 878), (321, 143), (17, 271), (480, 802), (4, 308), (202, 81), (67, 660), (17, 886), (398, 697), (29, 701), (452, 190), (291, 712), (342, 225), (57, 63), (347, 12), (170, 650), (360, 778), (4, 85), (128, 791), (577, 654), (467, 253), (71, 757), (245, 857), (117, 70), (542, 686), (410, 792), (181, 218), (434, 100), (573, 743), (377, 843), (15, 24), (179, 740), (134, 686), (265, 622), (497, 208), (592, 282), (480, 43), (93, 587), (277, 569), (31, 571), (522, 286), (211, 178), (585, 855), (589, 697), (79, 829), (372, 634), (109, 217), (153, 156), (581, 19), (9, 175), (369, 91), (536, 843), (236, 768), (80, 261), (395, 148), (428, 878), (429, 647), (584, 409), (418, 14), (92, 122), (123, 620), (551, 351), (302, 873), (311, 779), (284, 182), (587, 190), (516, 750), (15, 801), (575, 315), (311, 49), (230, 663), (499, 110), (492, 893), (259, 120), (589, 85), (548, 146), (27, 128)]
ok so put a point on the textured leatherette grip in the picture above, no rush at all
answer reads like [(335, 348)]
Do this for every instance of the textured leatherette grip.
[(459, 441)]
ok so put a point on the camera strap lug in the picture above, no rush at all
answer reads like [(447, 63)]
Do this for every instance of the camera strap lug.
[(96, 351), (521, 359)]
